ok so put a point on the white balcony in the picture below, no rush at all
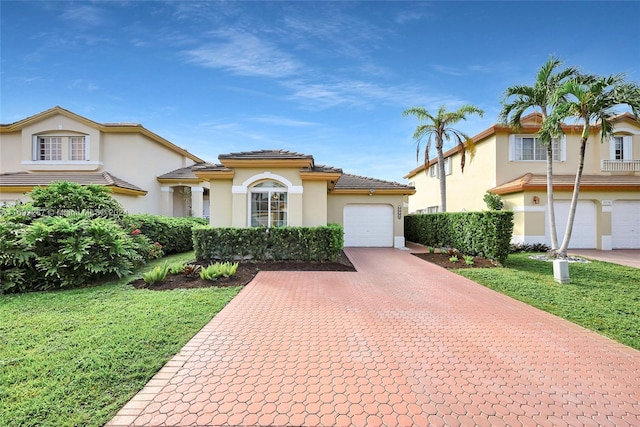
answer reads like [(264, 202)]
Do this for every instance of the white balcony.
[(620, 166)]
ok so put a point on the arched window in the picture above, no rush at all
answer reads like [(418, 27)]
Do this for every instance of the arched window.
[(268, 204)]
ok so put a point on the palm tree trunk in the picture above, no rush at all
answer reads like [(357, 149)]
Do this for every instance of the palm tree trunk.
[(550, 207), (441, 175), (562, 252)]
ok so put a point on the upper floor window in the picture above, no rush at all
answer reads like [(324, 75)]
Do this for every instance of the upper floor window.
[(268, 206), (60, 148), (434, 169), (621, 148), (529, 148), (49, 148)]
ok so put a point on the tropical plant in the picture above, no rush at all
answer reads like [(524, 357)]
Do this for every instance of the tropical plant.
[(468, 259), (439, 128), (218, 269), (178, 268), (453, 258), (158, 274), (540, 96), (591, 100)]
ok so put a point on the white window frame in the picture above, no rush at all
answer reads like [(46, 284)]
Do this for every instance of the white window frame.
[(276, 193), (626, 143), (433, 209), (62, 142), (516, 149)]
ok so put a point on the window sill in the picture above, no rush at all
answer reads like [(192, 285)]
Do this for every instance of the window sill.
[(61, 165)]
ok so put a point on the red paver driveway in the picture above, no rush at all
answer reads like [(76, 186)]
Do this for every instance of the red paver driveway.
[(400, 343)]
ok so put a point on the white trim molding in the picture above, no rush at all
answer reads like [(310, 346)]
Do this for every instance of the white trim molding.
[(529, 209), (244, 188), (607, 243)]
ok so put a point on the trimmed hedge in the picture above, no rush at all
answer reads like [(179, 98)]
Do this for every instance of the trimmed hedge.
[(486, 234), (173, 233), (259, 243)]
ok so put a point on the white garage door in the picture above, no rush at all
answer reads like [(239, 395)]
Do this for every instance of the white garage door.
[(625, 224), (583, 234), (368, 225)]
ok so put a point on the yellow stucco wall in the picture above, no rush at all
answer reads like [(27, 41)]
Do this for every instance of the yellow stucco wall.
[(314, 203), (10, 152)]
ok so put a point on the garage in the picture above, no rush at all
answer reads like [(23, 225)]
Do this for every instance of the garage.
[(583, 234), (625, 224), (368, 225)]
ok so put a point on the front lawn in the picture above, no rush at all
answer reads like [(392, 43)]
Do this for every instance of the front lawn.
[(75, 357), (602, 297)]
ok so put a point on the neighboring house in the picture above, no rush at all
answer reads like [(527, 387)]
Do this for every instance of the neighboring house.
[(149, 174), (273, 188), (60, 145), (513, 165)]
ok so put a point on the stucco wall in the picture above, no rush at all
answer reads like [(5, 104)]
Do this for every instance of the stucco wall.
[(337, 202), (10, 152), (314, 203)]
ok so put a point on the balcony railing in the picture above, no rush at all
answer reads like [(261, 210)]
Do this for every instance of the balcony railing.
[(620, 166)]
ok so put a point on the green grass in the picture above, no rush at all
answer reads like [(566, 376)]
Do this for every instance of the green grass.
[(602, 297), (75, 357)]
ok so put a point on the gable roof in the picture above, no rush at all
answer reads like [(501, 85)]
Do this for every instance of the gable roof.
[(25, 181), (103, 127), (531, 182)]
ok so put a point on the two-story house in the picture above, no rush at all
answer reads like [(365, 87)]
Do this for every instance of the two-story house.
[(148, 174), (127, 158), (512, 164)]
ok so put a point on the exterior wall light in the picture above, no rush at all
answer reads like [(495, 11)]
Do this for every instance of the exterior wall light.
[(399, 211), (536, 200)]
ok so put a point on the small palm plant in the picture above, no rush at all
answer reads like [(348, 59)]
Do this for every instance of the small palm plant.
[(158, 274)]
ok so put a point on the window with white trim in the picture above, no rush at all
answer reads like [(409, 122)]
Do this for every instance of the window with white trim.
[(77, 148), (60, 148), (49, 148), (432, 209), (621, 148), (528, 148), (268, 204)]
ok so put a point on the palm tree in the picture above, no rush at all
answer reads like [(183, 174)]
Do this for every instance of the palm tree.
[(538, 96), (591, 100), (439, 126)]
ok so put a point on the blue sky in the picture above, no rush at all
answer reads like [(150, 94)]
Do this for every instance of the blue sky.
[(330, 79)]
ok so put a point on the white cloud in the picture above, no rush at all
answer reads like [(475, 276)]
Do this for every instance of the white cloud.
[(281, 121), (243, 54)]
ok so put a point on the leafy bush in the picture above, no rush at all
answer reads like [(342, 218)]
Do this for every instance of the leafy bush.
[(158, 274), (468, 259), (55, 252), (493, 201), (66, 198), (174, 234), (281, 243), (487, 234)]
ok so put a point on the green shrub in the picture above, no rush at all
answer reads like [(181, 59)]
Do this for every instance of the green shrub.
[(281, 243), (493, 201), (158, 274), (55, 252), (218, 269), (468, 259), (174, 234), (66, 198), (487, 234)]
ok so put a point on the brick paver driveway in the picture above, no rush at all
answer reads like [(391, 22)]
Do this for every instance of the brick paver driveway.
[(399, 343)]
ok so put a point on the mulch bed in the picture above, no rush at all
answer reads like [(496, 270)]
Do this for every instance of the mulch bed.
[(442, 259), (245, 273)]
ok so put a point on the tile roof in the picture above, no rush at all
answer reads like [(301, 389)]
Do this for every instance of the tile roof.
[(265, 155), (348, 181), (188, 172), (566, 182), (26, 179), (322, 168)]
